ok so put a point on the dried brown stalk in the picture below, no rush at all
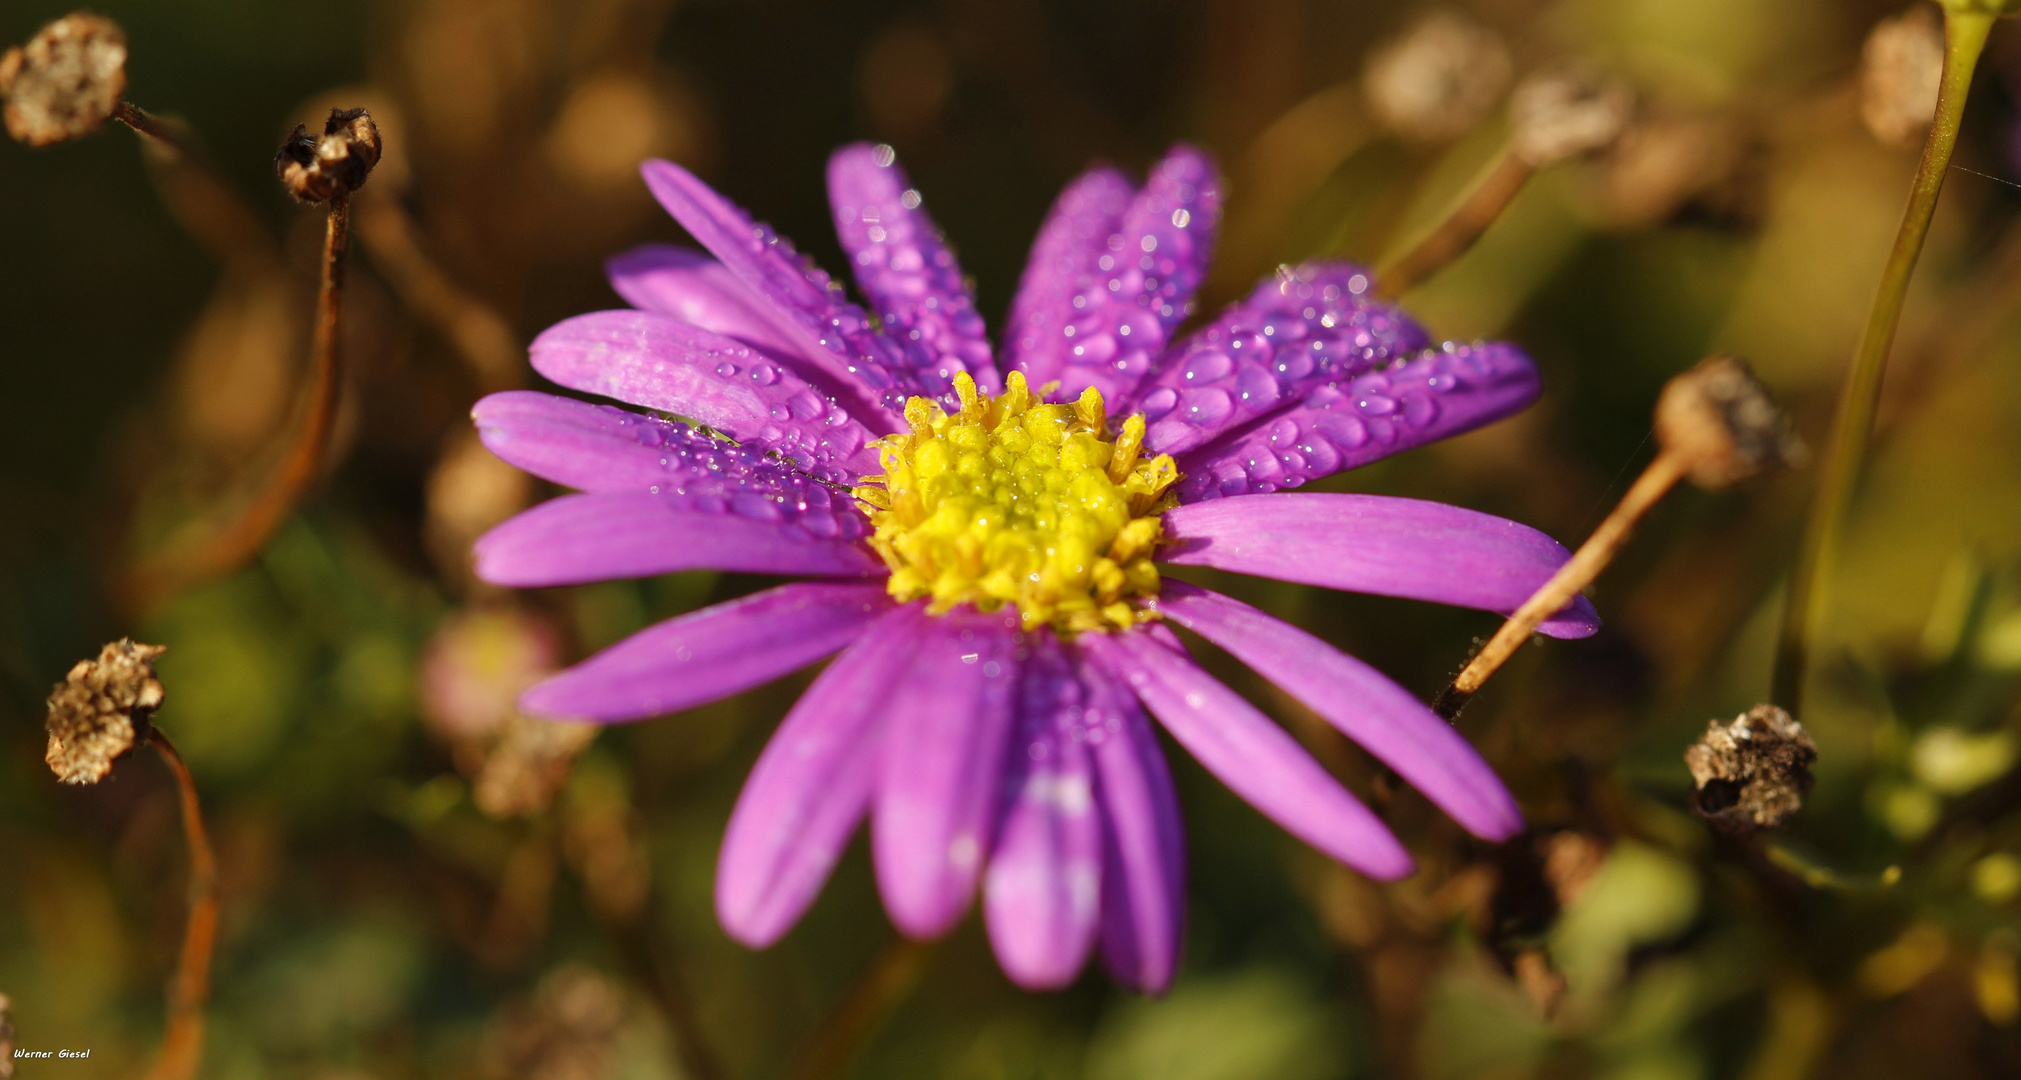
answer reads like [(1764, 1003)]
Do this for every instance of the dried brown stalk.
[(1714, 425), (1450, 238), (481, 335), (242, 537), (849, 1026), (202, 200), (182, 1048)]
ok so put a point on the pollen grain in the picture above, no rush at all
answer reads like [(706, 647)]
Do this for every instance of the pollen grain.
[(1014, 500)]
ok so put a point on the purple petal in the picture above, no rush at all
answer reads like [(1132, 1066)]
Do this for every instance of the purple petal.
[(947, 727), (601, 448), (712, 653), (1359, 700), (1074, 235), (1347, 425), (1306, 328), (1249, 753), (1042, 894), (1108, 282), (811, 786), (579, 538), (830, 331), (694, 288), (1378, 544), (1144, 845), (904, 267), (662, 363)]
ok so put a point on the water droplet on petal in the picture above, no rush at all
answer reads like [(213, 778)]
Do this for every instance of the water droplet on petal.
[(1207, 365), (1205, 406)]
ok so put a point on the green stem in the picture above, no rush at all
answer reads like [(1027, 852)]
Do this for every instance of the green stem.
[(1965, 32)]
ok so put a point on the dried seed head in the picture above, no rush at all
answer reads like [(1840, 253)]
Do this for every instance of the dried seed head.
[(315, 168), (1667, 162), (1561, 114), (101, 710), (1900, 69), (6, 1038), (1439, 79), (1752, 773), (528, 764), (568, 1029), (66, 81), (1719, 418)]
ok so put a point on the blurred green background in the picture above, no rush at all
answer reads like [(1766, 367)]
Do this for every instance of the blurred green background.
[(417, 883)]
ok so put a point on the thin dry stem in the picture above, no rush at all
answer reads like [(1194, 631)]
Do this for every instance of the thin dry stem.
[(182, 1048), (241, 538), (849, 1026), (646, 954), (479, 333), (1450, 239), (201, 199), (1577, 573)]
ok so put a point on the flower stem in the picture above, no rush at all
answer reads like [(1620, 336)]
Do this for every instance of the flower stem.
[(652, 963), (483, 336), (182, 1048), (892, 975), (1449, 239), (204, 202), (1965, 32), (1577, 573), (242, 537)]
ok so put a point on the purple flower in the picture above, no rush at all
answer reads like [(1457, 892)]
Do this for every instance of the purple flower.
[(987, 540)]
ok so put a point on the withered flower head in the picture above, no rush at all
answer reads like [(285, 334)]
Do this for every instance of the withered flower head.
[(315, 168), (568, 1029), (1719, 417), (527, 764), (1439, 79), (101, 710), (6, 1038), (1752, 773), (66, 81), (1900, 69), (1563, 113)]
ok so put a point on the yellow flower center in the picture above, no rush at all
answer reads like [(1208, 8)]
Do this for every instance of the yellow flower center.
[(1016, 501)]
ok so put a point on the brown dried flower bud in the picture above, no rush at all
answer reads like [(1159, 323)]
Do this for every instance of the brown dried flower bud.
[(1719, 418), (568, 1029), (315, 168), (1668, 162), (65, 83), (1752, 773), (102, 710), (528, 764), (1561, 114), (6, 1038), (1900, 69), (1439, 79)]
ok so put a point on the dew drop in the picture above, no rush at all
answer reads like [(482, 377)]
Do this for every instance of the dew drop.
[(1256, 388), (1207, 365), (1206, 406), (1159, 402)]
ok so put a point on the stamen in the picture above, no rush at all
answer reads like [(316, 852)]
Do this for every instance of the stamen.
[(1015, 500)]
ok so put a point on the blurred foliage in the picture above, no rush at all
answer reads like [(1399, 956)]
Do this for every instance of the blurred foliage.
[(386, 915)]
